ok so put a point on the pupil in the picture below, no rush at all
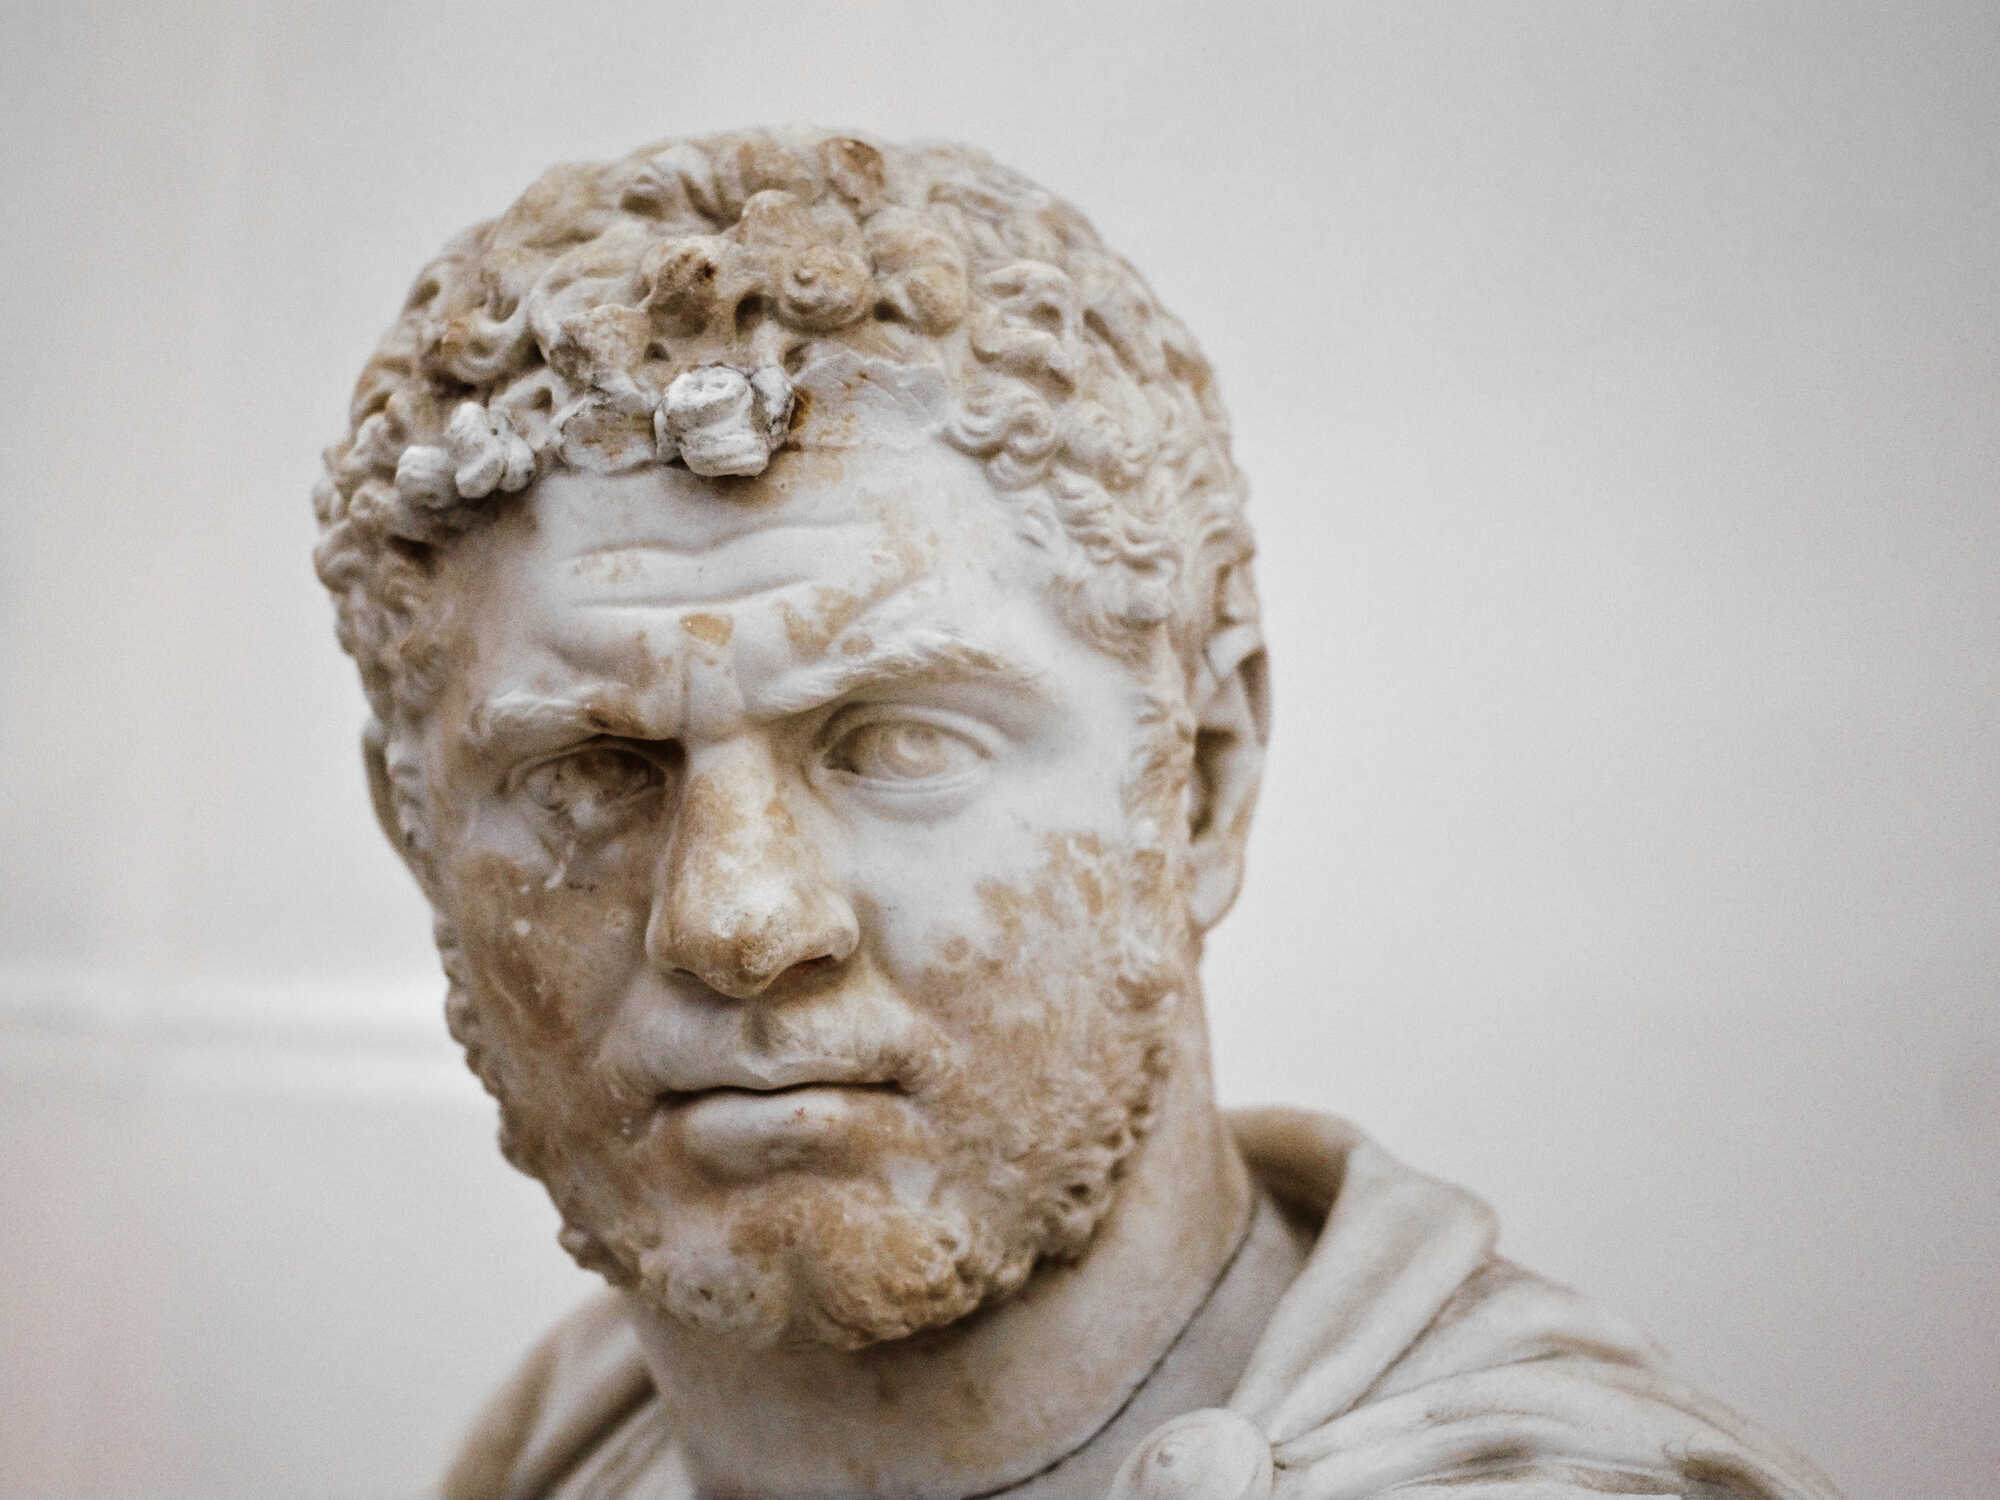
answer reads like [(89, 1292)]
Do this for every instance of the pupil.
[(914, 749)]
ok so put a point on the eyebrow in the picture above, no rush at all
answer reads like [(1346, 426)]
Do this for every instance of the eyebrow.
[(928, 654), (515, 716)]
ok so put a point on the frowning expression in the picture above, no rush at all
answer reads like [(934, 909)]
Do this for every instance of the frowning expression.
[(811, 935)]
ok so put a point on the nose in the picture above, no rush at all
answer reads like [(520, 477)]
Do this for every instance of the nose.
[(742, 897)]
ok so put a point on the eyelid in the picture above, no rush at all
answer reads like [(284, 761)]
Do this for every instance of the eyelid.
[(852, 716), (517, 773), (512, 781), (984, 739)]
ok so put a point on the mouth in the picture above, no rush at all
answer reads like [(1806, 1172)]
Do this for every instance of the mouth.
[(706, 1073), (674, 1099), (735, 1133)]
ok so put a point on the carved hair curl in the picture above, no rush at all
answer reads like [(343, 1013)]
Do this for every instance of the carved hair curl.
[(551, 336)]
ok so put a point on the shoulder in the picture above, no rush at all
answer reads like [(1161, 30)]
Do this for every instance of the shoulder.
[(1408, 1354), (577, 1418)]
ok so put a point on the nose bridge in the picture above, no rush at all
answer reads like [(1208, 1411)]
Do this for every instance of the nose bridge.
[(742, 895)]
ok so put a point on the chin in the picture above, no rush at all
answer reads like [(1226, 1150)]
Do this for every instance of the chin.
[(829, 1264)]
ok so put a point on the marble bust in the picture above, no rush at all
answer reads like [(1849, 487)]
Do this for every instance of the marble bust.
[(803, 594)]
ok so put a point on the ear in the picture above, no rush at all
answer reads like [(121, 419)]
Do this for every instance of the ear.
[(1232, 712), (381, 791)]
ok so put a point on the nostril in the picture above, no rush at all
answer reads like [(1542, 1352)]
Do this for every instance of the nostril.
[(749, 982), (713, 986)]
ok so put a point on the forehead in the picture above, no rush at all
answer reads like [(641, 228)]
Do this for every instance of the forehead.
[(709, 596)]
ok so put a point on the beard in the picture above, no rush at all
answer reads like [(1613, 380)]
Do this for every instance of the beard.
[(847, 1261), (1036, 1079)]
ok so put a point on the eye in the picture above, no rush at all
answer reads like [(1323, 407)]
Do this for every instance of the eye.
[(904, 751), (594, 787)]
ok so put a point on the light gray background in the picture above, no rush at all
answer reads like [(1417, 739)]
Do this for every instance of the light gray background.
[(1618, 385)]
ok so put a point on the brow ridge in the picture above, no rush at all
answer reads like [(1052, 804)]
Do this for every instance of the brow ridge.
[(519, 712)]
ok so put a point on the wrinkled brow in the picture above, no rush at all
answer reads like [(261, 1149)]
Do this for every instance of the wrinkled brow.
[(938, 654), (518, 715), (514, 716)]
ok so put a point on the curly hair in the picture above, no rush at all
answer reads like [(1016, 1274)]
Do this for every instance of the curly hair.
[(552, 335)]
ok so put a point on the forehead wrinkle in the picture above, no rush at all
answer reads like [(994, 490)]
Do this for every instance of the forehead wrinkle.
[(932, 653), (675, 549), (660, 574), (692, 603), (770, 581)]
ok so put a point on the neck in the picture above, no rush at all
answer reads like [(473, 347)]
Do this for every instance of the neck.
[(1000, 1396)]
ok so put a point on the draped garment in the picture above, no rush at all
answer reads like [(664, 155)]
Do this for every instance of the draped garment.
[(1406, 1361)]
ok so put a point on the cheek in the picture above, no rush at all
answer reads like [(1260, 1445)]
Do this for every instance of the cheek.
[(1052, 1049), (1030, 854), (549, 961), (920, 891), (1002, 951)]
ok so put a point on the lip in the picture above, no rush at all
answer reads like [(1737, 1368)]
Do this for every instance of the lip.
[(735, 1134), (754, 1075), (683, 1098)]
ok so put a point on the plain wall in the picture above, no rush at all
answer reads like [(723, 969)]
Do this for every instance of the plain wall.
[(1618, 390)]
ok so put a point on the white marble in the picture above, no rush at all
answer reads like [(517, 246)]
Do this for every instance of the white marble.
[(803, 590)]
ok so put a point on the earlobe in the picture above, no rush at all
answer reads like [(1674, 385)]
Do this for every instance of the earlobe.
[(1232, 724)]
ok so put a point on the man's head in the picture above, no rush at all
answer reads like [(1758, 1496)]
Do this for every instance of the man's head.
[(802, 590)]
